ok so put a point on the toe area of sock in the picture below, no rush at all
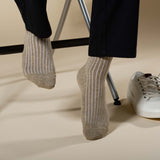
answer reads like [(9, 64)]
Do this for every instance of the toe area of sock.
[(47, 82), (95, 133)]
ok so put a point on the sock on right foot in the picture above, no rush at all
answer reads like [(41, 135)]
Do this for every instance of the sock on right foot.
[(37, 61)]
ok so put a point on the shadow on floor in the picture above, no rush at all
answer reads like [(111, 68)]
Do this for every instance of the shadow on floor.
[(125, 114), (71, 109), (22, 149), (10, 93)]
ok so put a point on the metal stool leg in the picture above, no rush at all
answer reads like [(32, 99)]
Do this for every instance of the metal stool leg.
[(113, 89), (85, 13), (62, 20), (108, 78)]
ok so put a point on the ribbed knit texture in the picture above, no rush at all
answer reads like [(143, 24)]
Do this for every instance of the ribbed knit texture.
[(37, 61), (94, 113)]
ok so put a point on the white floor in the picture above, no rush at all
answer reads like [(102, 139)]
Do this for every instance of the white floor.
[(41, 124)]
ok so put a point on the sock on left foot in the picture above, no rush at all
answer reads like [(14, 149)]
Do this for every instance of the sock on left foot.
[(91, 80)]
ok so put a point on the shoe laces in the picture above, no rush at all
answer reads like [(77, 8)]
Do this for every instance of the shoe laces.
[(150, 86)]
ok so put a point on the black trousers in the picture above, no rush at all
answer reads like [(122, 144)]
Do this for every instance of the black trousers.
[(113, 30)]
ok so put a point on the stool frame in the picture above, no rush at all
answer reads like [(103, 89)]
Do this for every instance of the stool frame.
[(56, 43)]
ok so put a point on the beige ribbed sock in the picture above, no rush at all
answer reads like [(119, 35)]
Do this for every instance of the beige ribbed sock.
[(91, 80), (37, 61)]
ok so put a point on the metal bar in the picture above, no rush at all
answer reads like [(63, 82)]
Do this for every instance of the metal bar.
[(85, 13), (70, 43), (55, 45), (62, 19), (112, 87)]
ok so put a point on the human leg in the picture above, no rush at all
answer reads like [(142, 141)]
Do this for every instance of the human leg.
[(35, 17), (37, 60), (113, 33), (114, 28)]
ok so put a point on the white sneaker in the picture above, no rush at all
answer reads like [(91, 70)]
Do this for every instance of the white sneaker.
[(144, 94)]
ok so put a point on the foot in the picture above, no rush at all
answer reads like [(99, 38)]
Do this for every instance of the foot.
[(91, 80), (37, 61)]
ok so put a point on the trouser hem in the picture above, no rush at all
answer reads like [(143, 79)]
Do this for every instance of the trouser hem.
[(125, 53)]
